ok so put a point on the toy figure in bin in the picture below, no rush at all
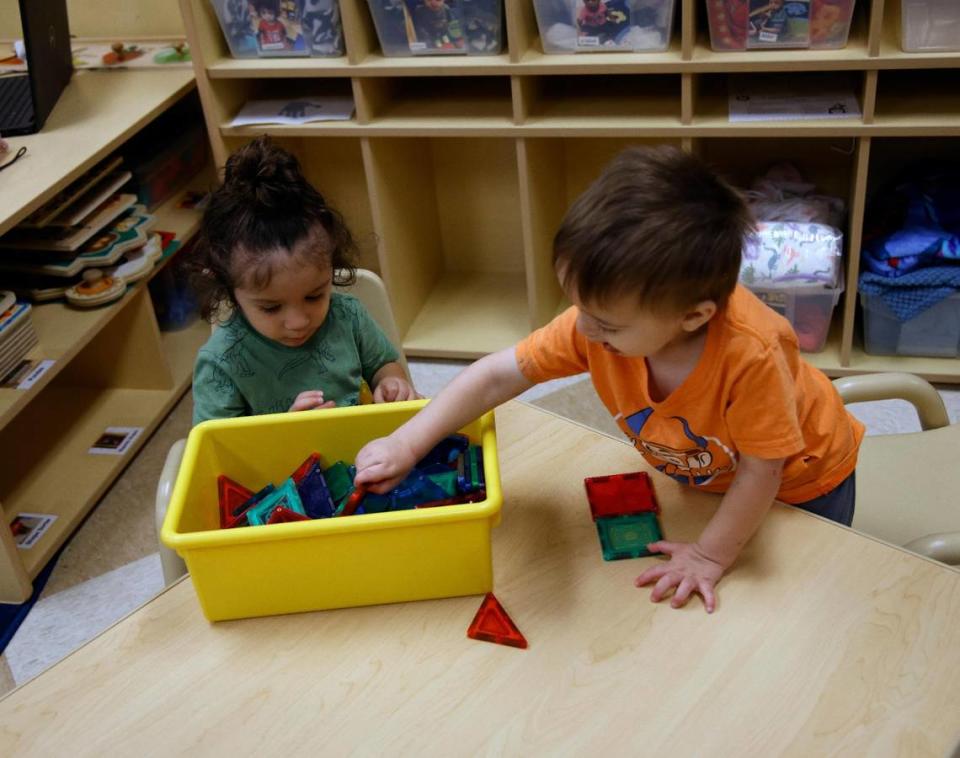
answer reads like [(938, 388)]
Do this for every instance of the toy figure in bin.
[(482, 25), (278, 27), (779, 22), (602, 22), (438, 25), (237, 23), (321, 27), (271, 33)]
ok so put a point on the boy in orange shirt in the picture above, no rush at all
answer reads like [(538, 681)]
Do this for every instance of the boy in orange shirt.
[(706, 380)]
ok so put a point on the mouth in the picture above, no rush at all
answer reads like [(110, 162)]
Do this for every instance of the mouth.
[(295, 341)]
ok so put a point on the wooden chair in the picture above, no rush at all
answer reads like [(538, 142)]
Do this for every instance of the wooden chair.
[(369, 290), (908, 491)]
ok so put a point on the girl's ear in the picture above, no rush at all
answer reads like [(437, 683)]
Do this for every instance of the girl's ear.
[(698, 315)]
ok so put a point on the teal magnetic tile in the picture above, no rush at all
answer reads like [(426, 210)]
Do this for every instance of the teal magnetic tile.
[(627, 536)]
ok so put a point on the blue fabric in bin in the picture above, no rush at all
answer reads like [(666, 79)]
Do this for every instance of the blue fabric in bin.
[(911, 294)]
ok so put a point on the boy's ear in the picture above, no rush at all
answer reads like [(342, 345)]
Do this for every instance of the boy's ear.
[(698, 315)]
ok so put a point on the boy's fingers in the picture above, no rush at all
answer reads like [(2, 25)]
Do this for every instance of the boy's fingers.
[(663, 586), (667, 548), (650, 575), (708, 595), (682, 594)]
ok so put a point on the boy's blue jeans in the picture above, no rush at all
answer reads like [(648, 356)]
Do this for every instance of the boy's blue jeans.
[(837, 505)]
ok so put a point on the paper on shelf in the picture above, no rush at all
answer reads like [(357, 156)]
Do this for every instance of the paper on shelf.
[(296, 111), (757, 98)]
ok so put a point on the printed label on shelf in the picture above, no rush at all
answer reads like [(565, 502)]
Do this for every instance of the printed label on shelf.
[(115, 440), (28, 528), (25, 375)]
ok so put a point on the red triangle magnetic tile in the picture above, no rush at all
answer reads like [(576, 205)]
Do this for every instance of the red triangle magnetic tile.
[(231, 496), (492, 624), (305, 467)]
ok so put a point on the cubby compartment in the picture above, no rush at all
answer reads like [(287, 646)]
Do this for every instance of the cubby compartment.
[(448, 218), (631, 102), (337, 173), (299, 96), (919, 99), (926, 343), (799, 101), (434, 102), (827, 165), (553, 173)]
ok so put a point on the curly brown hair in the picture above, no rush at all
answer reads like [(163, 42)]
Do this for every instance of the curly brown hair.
[(265, 206)]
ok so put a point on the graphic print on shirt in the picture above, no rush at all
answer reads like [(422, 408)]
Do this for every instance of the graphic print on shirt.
[(696, 464), (320, 356)]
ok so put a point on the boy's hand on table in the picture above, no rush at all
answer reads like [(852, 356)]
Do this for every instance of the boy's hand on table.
[(689, 570), (383, 464), (310, 399), (392, 389)]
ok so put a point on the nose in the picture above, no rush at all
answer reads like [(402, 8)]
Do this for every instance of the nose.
[(296, 320)]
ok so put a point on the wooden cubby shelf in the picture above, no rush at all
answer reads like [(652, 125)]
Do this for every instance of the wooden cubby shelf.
[(461, 167)]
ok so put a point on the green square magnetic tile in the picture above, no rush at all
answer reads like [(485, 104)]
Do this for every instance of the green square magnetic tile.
[(627, 536)]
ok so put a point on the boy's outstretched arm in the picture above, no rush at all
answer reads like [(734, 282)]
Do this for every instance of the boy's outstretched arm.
[(697, 567), (494, 379)]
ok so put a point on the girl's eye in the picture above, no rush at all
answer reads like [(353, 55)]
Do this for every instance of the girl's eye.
[(315, 298), (269, 308)]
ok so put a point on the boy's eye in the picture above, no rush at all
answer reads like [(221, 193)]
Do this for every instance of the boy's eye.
[(269, 308), (315, 298)]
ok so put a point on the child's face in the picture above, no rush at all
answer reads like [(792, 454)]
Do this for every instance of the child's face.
[(434, 5), (267, 14), (624, 328), (293, 305)]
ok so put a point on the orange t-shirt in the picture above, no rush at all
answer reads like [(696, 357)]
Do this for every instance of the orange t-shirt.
[(749, 394)]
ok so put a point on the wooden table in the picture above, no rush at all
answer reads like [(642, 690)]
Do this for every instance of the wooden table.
[(824, 641)]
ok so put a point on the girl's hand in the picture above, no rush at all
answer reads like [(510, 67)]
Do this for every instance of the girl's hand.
[(392, 389), (689, 570), (309, 400), (383, 464)]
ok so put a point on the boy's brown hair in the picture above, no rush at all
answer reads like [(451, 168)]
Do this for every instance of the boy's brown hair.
[(657, 226)]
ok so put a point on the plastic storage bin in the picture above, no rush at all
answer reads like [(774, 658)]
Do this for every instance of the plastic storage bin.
[(592, 26), (930, 25), (277, 28), (758, 24), (330, 563), (934, 333), (438, 27), (809, 309)]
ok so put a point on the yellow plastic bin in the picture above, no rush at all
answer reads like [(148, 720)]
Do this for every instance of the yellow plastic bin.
[(327, 563)]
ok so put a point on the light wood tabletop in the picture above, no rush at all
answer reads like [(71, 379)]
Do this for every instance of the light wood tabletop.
[(824, 642)]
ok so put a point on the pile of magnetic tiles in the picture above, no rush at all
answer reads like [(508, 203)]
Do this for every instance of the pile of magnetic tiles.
[(451, 473)]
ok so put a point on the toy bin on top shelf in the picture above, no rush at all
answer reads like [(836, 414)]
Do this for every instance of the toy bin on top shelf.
[(934, 333), (930, 25), (438, 27), (808, 308), (389, 557), (278, 28), (759, 24), (594, 26)]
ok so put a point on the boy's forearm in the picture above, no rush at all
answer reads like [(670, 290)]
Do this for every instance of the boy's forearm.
[(483, 385), (742, 509)]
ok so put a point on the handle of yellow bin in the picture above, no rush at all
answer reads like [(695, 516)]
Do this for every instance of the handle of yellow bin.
[(172, 564)]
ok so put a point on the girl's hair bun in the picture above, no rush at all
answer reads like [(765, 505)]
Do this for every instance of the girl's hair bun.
[(266, 173)]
